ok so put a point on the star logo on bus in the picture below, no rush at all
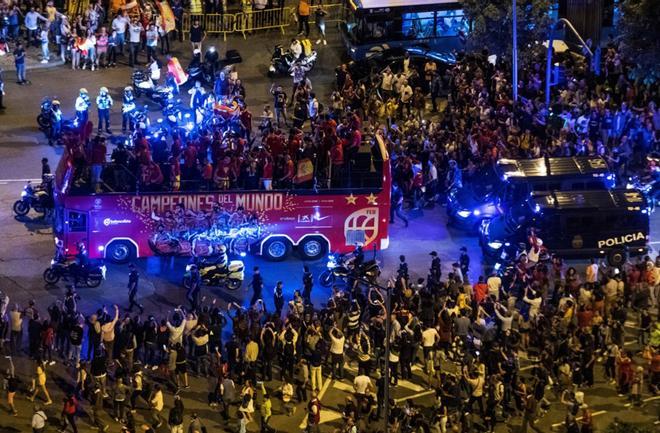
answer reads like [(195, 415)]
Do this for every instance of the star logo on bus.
[(371, 199), (351, 199)]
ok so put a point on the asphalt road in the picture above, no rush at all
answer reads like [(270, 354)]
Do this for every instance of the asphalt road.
[(27, 245)]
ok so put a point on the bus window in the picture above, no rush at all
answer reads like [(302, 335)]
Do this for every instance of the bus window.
[(450, 23), (417, 25), (77, 221)]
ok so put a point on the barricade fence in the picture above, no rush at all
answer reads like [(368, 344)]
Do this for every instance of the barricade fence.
[(255, 20)]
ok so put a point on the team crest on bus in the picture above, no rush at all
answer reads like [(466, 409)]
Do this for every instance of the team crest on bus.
[(361, 221)]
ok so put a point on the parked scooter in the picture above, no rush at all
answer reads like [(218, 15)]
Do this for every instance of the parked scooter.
[(216, 273), (282, 60)]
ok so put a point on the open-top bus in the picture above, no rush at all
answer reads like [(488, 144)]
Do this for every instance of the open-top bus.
[(375, 25), (125, 225)]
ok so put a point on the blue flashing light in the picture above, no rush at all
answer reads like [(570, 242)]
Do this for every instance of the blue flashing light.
[(537, 208), (242, 254), (476, 212)]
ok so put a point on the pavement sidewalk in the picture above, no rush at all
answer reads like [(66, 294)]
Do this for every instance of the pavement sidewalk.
[(32, 61)]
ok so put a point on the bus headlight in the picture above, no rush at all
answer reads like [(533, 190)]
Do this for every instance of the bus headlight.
[(463, 213), (495, 245)]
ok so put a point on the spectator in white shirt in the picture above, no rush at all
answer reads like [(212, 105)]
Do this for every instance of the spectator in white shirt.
[(119, 24), (134, 38)]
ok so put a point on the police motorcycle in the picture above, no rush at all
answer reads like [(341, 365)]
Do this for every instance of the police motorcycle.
[(143, 84), (35, 197), (91, 275), (283, 59), (342, 267), (205, 71), (49, 115), (216, 272)]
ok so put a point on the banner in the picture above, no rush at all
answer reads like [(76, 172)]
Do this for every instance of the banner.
[(167, 16)]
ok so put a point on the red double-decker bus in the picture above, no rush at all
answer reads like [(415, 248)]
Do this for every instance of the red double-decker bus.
[(123, 226)]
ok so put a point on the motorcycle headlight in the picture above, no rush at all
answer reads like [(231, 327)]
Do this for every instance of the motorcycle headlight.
[(463, 213), (495, 245), (188, 267), (23, 193), (52, 262)]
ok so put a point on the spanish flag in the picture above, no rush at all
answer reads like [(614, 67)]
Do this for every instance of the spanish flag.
[(167, 16), (174, 67), (305, 171)]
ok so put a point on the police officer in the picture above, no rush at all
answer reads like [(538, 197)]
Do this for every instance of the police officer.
[(278, 298), (257, 284), (436, 265), (308, 284), (195, 284), (464, 263), (133, 279), (128, 105), (103, 103), (55, 122), (82, 258), (82, 105)]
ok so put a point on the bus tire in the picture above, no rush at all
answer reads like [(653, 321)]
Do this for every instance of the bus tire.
[(276, 249), (616, 258), (312, 248), (120, 251)]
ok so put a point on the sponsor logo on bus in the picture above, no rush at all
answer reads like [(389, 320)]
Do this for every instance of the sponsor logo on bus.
[(110, 222)]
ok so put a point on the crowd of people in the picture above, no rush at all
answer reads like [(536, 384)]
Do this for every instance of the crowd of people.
[(468, 339)]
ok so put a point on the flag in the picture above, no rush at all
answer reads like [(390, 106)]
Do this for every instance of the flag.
[(167, 16), (174, 68), (305, 171)]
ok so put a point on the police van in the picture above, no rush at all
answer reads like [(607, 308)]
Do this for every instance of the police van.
[(574, 224), (509, 181)]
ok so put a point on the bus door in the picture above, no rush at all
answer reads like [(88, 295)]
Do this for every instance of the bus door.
[(76, 226)]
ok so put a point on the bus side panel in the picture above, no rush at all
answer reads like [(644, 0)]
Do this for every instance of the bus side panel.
[(183, 224)]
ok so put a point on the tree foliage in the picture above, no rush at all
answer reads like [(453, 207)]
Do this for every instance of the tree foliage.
[(492, 25), (639, 33)]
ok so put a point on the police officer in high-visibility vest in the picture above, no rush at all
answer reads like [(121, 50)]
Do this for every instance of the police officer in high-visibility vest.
[(103, 103), (128, 105), (55, 122), (82, 105)]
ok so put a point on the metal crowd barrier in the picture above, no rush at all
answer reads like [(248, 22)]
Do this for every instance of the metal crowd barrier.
[(247, 22)]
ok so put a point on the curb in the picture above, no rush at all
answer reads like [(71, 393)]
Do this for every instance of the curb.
[(30, 66)]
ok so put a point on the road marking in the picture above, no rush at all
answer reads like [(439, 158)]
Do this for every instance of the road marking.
[(411, 386), (414, 396), (342, 386), (324, 388), (600, 412), (6, 181), (646, 400)]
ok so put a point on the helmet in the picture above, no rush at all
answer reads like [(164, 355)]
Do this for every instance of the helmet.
[(128, 89), (104, 90), (196, 51), (83, 90), (56, 102)]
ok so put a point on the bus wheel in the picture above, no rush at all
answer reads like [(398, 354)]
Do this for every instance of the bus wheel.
[(120, 251), (276, 249), (616, 258), (312, 248)]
